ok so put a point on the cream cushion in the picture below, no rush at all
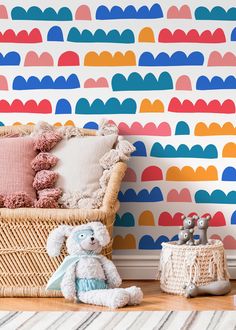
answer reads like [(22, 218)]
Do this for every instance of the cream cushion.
[(78, 166)]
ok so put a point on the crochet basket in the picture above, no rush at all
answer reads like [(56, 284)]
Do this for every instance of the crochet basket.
[(25, 266), (199, 264)]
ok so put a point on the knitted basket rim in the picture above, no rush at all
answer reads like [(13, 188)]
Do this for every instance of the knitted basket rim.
[(23, 130), (181, 265), (212, 244)]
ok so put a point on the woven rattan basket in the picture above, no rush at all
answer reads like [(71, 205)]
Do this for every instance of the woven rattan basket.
[(182, 264), (24, 264)]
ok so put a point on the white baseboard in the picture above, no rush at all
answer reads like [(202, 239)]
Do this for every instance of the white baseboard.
[(136, 267)]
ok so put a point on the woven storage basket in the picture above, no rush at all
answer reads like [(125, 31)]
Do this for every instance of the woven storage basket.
[(25, 266), (182, 264)]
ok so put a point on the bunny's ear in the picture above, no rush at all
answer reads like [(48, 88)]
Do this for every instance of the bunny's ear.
[(56, 239), (100, 232)]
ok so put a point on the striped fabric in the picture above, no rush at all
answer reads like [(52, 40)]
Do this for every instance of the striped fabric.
[(217, 320)]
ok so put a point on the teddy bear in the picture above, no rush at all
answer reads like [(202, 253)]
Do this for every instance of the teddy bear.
[(85, 275)]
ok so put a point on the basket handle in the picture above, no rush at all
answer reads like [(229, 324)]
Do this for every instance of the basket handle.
[(113, 187)]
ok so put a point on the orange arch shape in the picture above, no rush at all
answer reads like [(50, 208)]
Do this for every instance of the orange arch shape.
[(105, 58), (201, 129), (146, 35), (229, 150), (124, 243), (146, 218), (187, 173), (148, 106)]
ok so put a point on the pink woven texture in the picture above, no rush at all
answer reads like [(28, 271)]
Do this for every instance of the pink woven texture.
[(50, 193), (19, 199), (44, 161), (16, 173), (47, 140), (45, 179), (46, 202)]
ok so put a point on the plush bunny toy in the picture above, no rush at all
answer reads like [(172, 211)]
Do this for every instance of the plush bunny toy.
[(85, 275)]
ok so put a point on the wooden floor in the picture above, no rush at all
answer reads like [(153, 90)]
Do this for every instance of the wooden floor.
[(154, 300)]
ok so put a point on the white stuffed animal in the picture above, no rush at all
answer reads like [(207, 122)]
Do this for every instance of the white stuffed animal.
[(85, 275)]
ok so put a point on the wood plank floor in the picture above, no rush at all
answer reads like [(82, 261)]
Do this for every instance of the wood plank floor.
[(154, 300)]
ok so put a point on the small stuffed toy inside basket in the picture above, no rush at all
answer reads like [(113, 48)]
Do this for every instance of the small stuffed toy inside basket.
[(200, 265)]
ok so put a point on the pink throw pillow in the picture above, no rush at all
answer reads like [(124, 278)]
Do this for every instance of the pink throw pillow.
[(16, 173)]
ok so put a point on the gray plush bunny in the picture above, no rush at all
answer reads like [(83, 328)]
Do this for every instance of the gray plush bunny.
[(85, 275), (189, 223), (184, 235), (202, 225), (215, 288)]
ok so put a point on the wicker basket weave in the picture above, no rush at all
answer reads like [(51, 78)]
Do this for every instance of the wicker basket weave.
[(182, 264), (25, 266)]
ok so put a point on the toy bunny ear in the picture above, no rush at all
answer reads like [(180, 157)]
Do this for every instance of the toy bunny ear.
[(208, 217), (100, 232), (56, 239), (183, 217), (195, 217)]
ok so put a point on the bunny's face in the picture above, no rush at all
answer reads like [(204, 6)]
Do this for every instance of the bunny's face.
[(86, 240), (184, 235), (189, 223), (203, 223), (83, 240), (191, 290)]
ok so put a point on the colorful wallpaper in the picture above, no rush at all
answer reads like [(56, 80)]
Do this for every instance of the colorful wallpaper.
[(164, 71)]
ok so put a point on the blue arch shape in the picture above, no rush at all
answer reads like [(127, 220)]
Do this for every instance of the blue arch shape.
[(182, 128), (183, 151), (20, 83), (11, 58), (112, 36), (55, 34), (63, 107), (229, 174), (130, 12), (233, 35), (126, 220), (140, 149), (147, 242), (217, 13), (155, 195), (91, 125), (178, 58), (136, 82), (111, 106), (34, 13), (204, 83), (233, 218), (216, 197)]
